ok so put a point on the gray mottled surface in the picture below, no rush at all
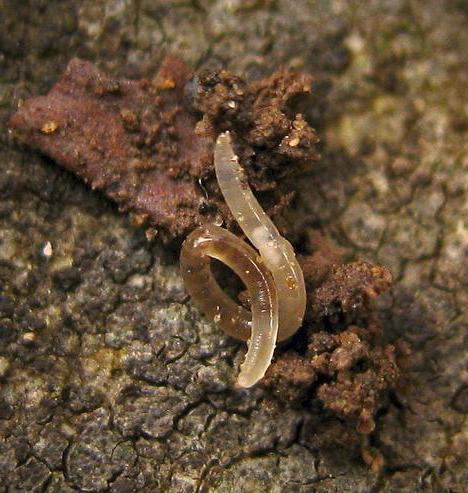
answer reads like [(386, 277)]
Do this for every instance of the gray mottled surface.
[(110, 380)]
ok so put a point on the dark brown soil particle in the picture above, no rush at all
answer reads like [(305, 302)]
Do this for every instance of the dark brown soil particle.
[(348, 372), (348, 287)]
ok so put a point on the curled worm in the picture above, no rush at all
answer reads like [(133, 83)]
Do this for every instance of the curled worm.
[(274, 278), (260, 326)]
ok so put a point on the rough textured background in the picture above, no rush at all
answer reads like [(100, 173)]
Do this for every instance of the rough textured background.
[(110, 380)]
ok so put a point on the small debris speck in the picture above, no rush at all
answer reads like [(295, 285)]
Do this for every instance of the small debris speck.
[(49, 127), (28, 338), (294, 142), (166, 84), (4, 365), (47, 250)]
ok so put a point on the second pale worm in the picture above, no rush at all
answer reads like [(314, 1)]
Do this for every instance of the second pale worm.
[(275, 250)]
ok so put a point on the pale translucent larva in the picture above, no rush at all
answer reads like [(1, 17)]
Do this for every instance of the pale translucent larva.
[(276, 252)]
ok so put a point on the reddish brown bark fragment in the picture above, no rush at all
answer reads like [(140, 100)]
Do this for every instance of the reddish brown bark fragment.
[(126, 138), (139, 142)]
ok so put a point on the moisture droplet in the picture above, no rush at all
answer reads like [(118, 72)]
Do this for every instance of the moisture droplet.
[(218, 220)]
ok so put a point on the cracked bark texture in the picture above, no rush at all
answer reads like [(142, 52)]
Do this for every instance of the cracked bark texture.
[(110, 380)]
